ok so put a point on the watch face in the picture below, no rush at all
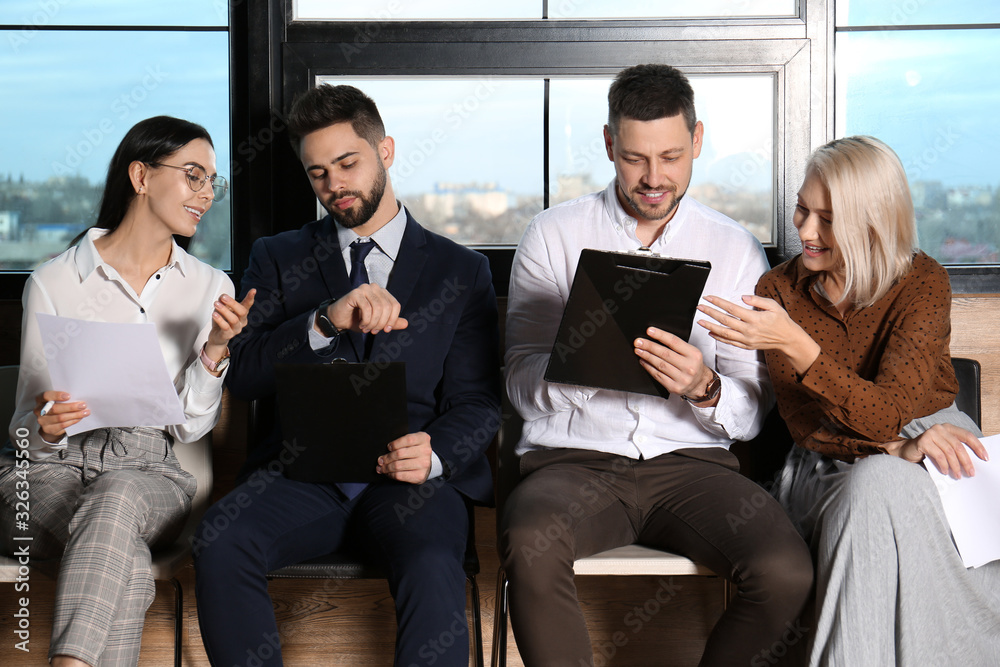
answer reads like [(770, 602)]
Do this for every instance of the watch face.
[(222, 365)]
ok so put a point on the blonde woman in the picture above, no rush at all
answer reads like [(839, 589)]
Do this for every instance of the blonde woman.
[(856, 336)]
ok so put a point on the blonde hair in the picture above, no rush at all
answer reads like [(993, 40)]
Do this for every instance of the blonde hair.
[(873, 222)]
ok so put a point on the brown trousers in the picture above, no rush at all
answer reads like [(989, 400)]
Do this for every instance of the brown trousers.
[(573, 503)]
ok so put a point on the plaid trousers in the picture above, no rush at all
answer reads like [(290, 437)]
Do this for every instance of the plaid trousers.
[(101, 505)]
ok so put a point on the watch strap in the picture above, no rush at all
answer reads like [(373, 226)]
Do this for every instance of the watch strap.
[(323, 323), (713, 389), (211, 364)]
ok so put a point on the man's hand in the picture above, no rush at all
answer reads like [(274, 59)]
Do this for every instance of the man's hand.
[(674, 363), (408, 460), (946, 445), (369, 308)]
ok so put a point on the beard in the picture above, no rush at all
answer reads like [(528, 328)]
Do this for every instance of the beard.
[(350, 218), (663, 210)]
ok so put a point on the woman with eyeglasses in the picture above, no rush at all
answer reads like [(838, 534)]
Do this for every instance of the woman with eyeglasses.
[(101, 499), (856, 332)]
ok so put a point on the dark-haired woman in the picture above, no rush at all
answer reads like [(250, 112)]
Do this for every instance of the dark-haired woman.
[(856, 335), (102, 498)]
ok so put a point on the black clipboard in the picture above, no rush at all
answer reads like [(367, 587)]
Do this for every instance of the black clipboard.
[(615, 297), (337, 418)]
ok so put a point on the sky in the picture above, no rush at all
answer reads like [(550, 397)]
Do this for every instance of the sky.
[(64, 105)]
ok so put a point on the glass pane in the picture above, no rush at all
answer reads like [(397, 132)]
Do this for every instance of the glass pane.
[(41, 13), (323, 10), (916, 12), (67, 99), (468, 152), (932, 96), (734, 174), (612, 9), (391, 10)]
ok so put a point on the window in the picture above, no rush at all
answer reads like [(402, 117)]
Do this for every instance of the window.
[(505, 117), (924, 76), (461, 177), (454, 171), (384, 10), (735, 172), (767, 69), (75, 77)]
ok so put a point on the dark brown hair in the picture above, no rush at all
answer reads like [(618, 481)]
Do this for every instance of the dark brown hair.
[(650, 92), (328, 105)]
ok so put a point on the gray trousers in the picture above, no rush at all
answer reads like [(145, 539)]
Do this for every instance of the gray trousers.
[(100, 506), (891, 588)]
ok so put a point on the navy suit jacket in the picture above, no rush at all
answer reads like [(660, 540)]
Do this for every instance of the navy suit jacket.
[(450, 346)]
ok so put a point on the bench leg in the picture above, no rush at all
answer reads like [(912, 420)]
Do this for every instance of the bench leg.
[(500, 622), (178, 620)]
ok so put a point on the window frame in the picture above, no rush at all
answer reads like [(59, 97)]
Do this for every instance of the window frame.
[(273, 57), (966, 279), (12, 282), (793, 50)]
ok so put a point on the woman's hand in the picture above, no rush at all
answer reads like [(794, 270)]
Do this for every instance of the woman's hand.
[(63, 414), (763, 326), (946, 445), (229, 318)]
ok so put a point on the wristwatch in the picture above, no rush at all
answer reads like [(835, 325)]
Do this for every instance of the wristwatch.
[(326, 327), (714, 387), (214, 366)]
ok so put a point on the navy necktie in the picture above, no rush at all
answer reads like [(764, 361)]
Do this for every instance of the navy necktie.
[(359, 276), (360, 250)]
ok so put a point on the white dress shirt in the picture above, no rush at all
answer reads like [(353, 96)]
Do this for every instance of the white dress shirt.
[(628, 424), (178, 298)]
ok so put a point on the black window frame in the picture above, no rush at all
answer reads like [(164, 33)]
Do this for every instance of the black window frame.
[(273, 58), (302, 50)]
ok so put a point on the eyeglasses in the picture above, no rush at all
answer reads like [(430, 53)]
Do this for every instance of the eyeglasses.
[(196, 178)]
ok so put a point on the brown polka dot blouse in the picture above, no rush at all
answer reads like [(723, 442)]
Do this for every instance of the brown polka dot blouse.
[(880, 366)]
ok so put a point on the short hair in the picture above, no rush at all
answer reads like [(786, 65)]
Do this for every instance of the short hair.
[(873, 222), (328, 105), (650, 92)]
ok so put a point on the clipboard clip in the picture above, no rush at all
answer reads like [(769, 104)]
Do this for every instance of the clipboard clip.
[(644, 251)]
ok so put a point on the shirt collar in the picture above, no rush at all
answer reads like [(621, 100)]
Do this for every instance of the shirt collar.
[(802, 276), (388, 237), (88, 259), (625, 223)]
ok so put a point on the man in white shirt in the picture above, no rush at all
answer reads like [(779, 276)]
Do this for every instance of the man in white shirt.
[(602, 469)]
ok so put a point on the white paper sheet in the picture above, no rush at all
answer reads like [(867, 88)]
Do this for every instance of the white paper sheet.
[(971, 503), (117, 369)]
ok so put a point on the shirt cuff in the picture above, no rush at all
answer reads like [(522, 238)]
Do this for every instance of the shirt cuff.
[(203, 381), (317, 341), (437, 469), (728, 415), (47, 449)]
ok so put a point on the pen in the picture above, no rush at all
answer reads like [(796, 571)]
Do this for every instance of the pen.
[(46, 408)]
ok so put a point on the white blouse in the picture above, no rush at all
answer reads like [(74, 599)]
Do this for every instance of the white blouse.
[(178, 298)]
